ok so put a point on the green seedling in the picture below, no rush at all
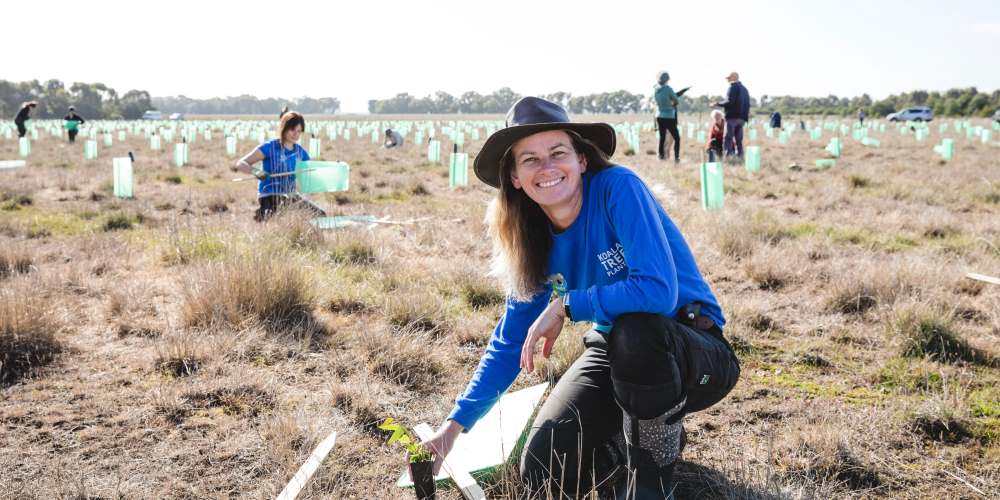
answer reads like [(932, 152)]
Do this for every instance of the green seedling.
[(400, 434)]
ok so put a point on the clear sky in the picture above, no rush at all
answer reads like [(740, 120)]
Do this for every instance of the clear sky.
[(362, 50)]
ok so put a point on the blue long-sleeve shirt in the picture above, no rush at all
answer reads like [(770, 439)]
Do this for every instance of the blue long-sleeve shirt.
[(622, 254)]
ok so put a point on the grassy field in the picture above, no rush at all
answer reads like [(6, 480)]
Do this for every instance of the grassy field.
[(169, 346)]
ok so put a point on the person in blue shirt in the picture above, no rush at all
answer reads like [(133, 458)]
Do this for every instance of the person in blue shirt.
[(580, 238), (666, 115), (276, 184)]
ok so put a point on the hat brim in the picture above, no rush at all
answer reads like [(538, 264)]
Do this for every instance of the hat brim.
[(487, 162)]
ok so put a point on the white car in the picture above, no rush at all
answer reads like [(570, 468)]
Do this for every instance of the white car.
[(152, 115), (177, 116), (920, 114)]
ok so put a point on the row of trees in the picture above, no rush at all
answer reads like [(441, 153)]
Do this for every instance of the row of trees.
[(954, 102), (245, 105), (92, 100), (96, 100)]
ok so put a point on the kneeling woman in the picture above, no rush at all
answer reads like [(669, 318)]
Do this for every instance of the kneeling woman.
[(579, 238), (276, 186)]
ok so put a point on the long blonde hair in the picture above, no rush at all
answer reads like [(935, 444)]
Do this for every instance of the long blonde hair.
[(521, 231)]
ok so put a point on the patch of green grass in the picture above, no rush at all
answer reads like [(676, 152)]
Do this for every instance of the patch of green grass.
[(897, 243), (802, 229), (909, 376), (787, 379), (985, 402), (60, 224), (173, 179), (186, 248), (852, 235)]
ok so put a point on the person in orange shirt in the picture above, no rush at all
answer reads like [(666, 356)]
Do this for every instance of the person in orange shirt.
[(715, 137)]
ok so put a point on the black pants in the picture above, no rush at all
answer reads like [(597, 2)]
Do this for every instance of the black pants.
[(647, 365), (269, 205), (669, 125), (72, 135), (21, 130)]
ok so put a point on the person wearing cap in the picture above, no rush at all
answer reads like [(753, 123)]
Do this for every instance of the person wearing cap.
[(737, 108), (579, 238), (392, 139), (72, 122), (666, 115), (276, 188), (23, 115)]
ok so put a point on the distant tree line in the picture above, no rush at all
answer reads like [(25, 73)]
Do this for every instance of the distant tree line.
[(954, 102), (92, 100), (245, 105)]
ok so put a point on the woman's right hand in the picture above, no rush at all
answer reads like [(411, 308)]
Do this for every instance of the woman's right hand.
[(442, 442)]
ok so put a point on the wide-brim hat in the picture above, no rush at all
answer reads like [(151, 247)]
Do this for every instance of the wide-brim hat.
[(528, 116)]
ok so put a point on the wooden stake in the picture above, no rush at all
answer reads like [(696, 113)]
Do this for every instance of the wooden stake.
[(300, 478), (983, 277)]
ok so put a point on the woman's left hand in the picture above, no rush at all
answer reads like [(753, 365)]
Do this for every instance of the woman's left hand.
[(548, 326)]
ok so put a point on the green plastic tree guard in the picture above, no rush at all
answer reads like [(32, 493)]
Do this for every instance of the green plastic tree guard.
[(434, 151), (315, 148), (322, 176), (121, 169), (869, 141), (154, 142), (90, 150), (108, 140), (834, 147), (946, 149), (180, 154), (24, 146), (712, 191), (753, 135), (230, 146), (752, 159), (458, 174)]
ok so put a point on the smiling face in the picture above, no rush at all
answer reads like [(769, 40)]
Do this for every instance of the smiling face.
[(549, 170), (292, 134)]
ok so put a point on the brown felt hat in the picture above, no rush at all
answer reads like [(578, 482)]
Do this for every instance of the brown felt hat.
[(528, 116)]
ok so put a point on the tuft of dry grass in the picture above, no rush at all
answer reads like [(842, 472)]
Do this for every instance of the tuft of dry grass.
[(359, 404), (932, 334), (15, 259), (404, 356), (29, 331), (942, 417), (180, 355), (353, 247), (824, 455), (416, 310), (269, 288)]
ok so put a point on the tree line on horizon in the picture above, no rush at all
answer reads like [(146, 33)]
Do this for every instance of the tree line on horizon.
[(92, 100), (246, 105), (967, 102), (98, 101)]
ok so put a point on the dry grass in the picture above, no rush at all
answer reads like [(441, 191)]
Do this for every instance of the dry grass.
[(196, 354), (268, 288), (29, 331)]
